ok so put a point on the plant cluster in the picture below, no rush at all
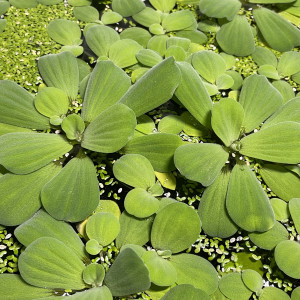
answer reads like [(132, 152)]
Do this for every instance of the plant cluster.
[(165, 107)]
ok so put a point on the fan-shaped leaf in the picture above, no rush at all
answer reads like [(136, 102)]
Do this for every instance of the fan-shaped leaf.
[(49, 2), (247, 203), (148, 57), (140, 35), (86, 14), (158, 43), (285, 89), (147, 17), (273, 293), (23, 152), (180, 291), (163, 5), (171, 124), (80, 2), (294, 207), (289, 63), (195, 36), (73, 126), (127, 8), (48, 262), (4, 6), (93, 274), (295, 293), (24, 3), (264, 56), (179, 20), (177, 52), (102, 292), (280, 209), (237, 79), (252, 280), (269, 71), (5, 128)]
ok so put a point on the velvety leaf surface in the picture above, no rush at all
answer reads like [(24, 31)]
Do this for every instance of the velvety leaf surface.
[(48, 262), (93, 274), (264, 56), (295, 293), (73, 126), (23, 3), (193, 95), (294, 207), (273, 293), (179, 20), (17, 107), (280, 209), (259, 100), (289, 63), (127, 7), (140, 35), (74, 193), (283, 183), (269, 71), (269, 239), (23, 152), (236, 37), (171, 124), (103, 227), (134, 170), (87, 14), (195, 270), (6, 128), (107, 84), (111, 130), (60, 71), (154, 88), (133, 230), (266, 144), (175, 228), (180, 291), (148, 57), (148, 17), (4, 6), (158, 148), (158, 43), (200, 162), (247, 203), (212, 208), (163, 5), (177, 52), (127, 275), (43, 225), (280, 34), (13, 287), (252, 280)]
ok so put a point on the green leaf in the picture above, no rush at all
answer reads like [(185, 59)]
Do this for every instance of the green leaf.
[(73, 194), (60, 71), (195, 36), (86, 14), (20, 194), (171, 124), (93, 274), (265, 144), (110, 17), (280, 209), (195, 270), (175, 228), (133, 230), (49, 2), (51, 102), (296, 77), (295, 293), (141, 203), (148, 57), (23, 152), (43, 225), (179, 20), (127, 275), (17, 107), (134, 170), (252, 280), (208, 26), (13, 287), (177, 52), (200, 162), (283, 183), (73, 126), (192, 127), (158, 43), (127, 8), (92, 247), (280, 34), (287, 262), (111, 129), (100, 38), (23, 3), (236, 38), (237, 79), (259, 100), (64, 32), (103, 227), (264, 56), (48, 262), (193, 95), (162, 81), (233, 287), (163, 5), (180, 42), (285, 89), (268, 71), (147, 17), (294, 207), (107, 84), (209, 65), (227, 120), (247, 203), (102, 293), (216, 9), (269, 239), (3, 22), (224, 82), (158, 148), (270, 1), (162, 272), (212, 209), (167, 180), (79, 2), (180, 291), (4, 6), (289, 63), (6, 128), (273, 293), (140, 35)]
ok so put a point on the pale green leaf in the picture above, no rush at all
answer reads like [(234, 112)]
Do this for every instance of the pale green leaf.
[(20, 194), (127, 8), (179, 20), (264, 56), (93, 274), (208, 26), (6, 128), (163, 5), (236, 38), (273, 293), (48, 262), (17, 107), (280, 209), (110, 17), (247, 203), (294, 207), (24, 3), (111, 129), (127, 275), (86, 14), (252, 280), (259, 100), (73, 126), (175, 228), (280, 34), (180, 42), (295, 294), (140, 35), (195, 270), (180, 291), (171, 124), (3, 22), (237, 79), (296, 77), (4, 6), (80, 2), (158, 43), (285, 89), (134, 170), (268, 71), (177, 52), (23, 152), (60, 71), (75, 50), (192, 127), (74, 193), (93, 247), (148, 57), (224, 82), (200, 162), (195, 36), (287, 256), (212, 208), (162, 80), (167, 180), (49, 2), (270, 1), (147, 17), (289, 63), (102, 293)]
